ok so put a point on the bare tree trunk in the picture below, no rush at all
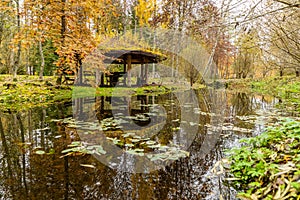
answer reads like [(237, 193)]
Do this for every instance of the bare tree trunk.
[(16, 64), (42, 60), (172, 65), (154, 46), (173, 56), (11, 62), (211, 57), (146, 73), (177, 66), (125, 14), (97, 77), (62, 35), (297, 5), (135, 25)]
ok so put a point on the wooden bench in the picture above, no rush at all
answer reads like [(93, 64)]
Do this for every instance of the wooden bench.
[(67, 79), (113, 78), (69, 76)]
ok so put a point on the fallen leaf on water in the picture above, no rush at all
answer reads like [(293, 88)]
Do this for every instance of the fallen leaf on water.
[(87, 165)]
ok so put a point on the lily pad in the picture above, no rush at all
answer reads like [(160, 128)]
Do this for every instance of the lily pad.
[(76, 149), (158, 157), (75, 144), (133, 152), (128, 135), (129, 145), (135, 140), (150, 142), (40, 152), (154, 146)]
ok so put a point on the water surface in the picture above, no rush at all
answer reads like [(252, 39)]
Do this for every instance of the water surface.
[(27, 175)]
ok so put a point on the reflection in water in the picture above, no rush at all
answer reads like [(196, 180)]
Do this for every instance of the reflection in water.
[(27, 175)]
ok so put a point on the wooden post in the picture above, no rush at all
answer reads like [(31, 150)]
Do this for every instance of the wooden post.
[(142, 73), (124, 69), (146, 73), (129, 70), (124, 76), (97, 77), (102, 79)]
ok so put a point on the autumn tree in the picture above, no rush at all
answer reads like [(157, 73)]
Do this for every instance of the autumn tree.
[(109, 17), (246, 54), (276, 23), (7, 31), (17, 49), (10, 43), (70, 25), (203, 21), (33, 33), (145, 10), (194, 58), (209, 29), (284, 30)]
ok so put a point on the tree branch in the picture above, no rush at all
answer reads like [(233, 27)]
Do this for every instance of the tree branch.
[(297, 5)]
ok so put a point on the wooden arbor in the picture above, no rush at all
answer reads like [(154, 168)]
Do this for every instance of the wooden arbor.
[(127, 58)]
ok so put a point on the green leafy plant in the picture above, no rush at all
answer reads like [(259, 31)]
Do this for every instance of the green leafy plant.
[(268, 166)]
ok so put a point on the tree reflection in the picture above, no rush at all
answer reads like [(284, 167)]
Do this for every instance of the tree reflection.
[(27, 175)]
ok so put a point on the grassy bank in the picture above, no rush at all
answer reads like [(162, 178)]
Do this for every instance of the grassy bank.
[(286, 89), (28, 92), (275, 86)]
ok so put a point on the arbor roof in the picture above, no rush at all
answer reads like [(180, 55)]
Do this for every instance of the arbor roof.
[(137, 57)]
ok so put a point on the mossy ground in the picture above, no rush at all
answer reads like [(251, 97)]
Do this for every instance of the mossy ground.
[(28, 92)]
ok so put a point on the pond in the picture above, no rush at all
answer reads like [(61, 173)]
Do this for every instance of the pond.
[(139, 147)]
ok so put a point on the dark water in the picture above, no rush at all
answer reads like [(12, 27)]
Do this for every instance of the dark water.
[(27, 175)]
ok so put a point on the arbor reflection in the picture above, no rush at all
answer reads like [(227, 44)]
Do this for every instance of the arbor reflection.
[(27, 175)]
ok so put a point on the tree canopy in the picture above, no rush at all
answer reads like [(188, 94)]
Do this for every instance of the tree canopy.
[(243, 39)]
